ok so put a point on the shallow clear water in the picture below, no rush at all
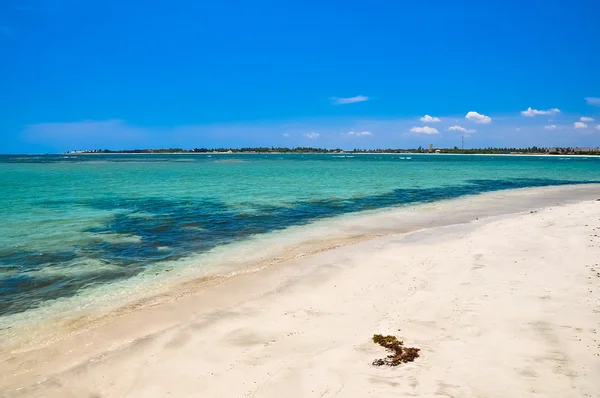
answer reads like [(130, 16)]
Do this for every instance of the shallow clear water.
[(73, 222)]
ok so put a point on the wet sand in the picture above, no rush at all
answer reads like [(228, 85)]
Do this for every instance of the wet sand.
[(500, 306)]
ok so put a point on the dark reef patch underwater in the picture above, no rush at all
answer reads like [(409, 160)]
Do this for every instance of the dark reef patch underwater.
[(173, 229)]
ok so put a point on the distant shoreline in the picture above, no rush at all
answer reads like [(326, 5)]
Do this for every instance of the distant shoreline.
[(320, 153)]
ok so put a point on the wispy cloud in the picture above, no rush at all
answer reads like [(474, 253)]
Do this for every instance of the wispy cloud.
[(430, 119), (598, 127), (534, 112), (91, 134), (424, 130), (360, 134), (580, 125), (510, 131), (586, 119), (593, 101), (478, 118), (348, 100), (461, 129)]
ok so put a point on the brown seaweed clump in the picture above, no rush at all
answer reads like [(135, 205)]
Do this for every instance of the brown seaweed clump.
[(399, 353)]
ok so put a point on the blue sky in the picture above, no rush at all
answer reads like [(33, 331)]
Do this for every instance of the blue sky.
[(132, 74)]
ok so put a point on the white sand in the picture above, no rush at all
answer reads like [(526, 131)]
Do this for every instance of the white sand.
[(501, 307)]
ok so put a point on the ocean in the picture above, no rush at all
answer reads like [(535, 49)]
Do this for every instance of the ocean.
[(84, 225)]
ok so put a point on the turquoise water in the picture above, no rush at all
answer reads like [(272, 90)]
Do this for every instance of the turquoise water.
[(70, 223)]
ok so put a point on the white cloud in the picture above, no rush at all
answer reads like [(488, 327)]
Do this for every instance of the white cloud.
[(360, 134), (312, 136), (349, 100), (430, 119), (593, 101), (551, 127), (579, 125), (586, 119), (478, 118), (461, 129), (534, 112), (598, 127), (286, 135), (424, 130)]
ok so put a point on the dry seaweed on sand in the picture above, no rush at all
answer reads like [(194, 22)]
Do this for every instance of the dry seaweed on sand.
[(398, 353)]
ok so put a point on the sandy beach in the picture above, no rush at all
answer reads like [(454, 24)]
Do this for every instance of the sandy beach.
[(501, 305)]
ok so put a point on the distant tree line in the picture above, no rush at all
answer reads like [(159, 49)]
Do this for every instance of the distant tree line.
[(455, 150)]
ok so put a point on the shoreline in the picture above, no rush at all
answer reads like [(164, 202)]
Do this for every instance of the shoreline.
[(123, 330), (324, 153), (96, 306)]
